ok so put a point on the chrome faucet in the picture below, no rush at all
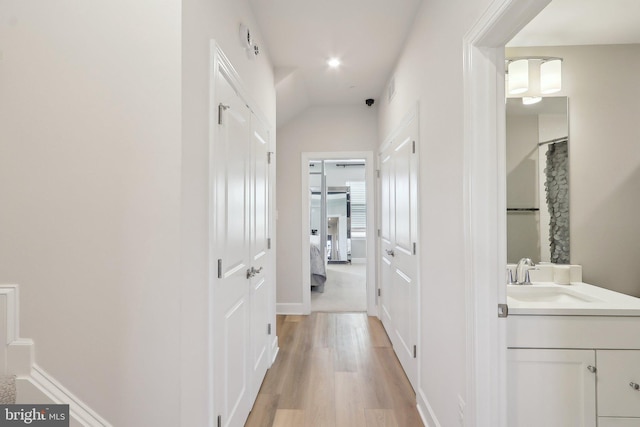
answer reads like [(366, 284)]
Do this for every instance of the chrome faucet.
[(522, 271)]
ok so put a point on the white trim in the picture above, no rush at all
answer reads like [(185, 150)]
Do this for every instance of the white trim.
[(371, 187), (274, 347), (50, 388), (285, 308), (408, 117), (485, 206), (426, 411), (19, 361)]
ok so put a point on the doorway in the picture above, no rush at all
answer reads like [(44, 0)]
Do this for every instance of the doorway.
[(338, 225)]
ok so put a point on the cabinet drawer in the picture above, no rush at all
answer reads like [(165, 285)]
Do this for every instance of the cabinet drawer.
[(616, 370), (618, 422)]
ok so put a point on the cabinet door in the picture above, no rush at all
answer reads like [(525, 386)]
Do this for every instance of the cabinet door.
[(551, 388), (617, 369)]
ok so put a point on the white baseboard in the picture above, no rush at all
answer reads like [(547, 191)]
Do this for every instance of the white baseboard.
[(289, 308), (49, 388), (34, 385), (274, 349), (427, 415), (358, 260)]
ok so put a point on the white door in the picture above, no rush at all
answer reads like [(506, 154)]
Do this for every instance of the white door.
[(261, 328), (386, 239), (231, 290), (398, 242), (551, 388)]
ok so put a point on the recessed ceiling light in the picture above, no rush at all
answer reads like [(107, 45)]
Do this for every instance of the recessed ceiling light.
[(333, 62)]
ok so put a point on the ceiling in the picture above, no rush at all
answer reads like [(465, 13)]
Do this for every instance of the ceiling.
[(582, 22), (368, 37), (301, 35)]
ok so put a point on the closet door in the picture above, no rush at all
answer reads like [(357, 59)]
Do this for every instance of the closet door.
[(387, 229), (261, 286), (399, 245), (231, 289)]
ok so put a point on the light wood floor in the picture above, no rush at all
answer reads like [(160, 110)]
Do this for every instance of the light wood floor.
[(334, 370)]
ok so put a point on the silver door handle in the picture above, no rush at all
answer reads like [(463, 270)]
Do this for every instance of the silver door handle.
[(634, 386), (252, 272), (592, 369), (390, 252)]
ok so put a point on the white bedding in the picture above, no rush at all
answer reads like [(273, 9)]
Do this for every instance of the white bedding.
[(318, 270)]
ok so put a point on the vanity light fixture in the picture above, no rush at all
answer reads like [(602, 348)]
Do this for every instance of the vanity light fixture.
[(550, 76), (518, 71), (536, 84)]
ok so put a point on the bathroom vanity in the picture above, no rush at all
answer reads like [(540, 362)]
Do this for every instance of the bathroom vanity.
[(573, 356)]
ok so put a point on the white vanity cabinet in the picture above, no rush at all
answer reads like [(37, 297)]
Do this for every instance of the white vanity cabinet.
[(577, 371), (551, 388)]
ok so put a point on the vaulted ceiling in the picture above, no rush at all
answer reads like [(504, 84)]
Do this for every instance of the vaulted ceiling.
[(301, 35), (368, 37)]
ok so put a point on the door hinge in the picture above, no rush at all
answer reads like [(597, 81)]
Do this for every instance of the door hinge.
[(378, 173), (221, 109), (414, 248), (503, 310), (220, 269), (269, 153), (269, 243), (378, 232), (413, 147), (415, 351), (219, 420), (379, 292), (269, 329)]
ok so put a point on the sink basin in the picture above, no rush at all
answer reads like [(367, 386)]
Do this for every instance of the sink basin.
[(548, 294), (577, 299)]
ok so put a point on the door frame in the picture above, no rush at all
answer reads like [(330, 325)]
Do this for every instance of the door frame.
[(371, 223), (484, 180)]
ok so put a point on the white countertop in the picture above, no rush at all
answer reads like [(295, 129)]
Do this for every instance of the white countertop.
[(576, 299)]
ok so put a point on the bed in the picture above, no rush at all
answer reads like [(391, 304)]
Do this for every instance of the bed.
[(318, 270)]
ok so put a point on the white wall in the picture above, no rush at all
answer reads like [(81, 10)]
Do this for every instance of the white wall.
[(603, 87), (330, 129), (429, 71), (103, 181), (202, 21), (90, 194)]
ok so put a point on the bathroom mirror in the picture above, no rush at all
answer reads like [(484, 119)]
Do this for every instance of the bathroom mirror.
[(537, 159)]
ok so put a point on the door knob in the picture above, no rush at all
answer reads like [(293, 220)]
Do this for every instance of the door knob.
[(634, 386), (390, 252), (250, 272), (592, 369), (257, 271)]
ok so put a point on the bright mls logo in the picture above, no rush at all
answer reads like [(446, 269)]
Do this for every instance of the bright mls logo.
[(34, 415)]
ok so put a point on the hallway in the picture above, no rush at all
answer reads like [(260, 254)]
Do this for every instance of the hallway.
[(334, 369)]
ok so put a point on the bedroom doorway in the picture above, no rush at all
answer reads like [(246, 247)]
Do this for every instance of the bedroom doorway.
[(337, 216)]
